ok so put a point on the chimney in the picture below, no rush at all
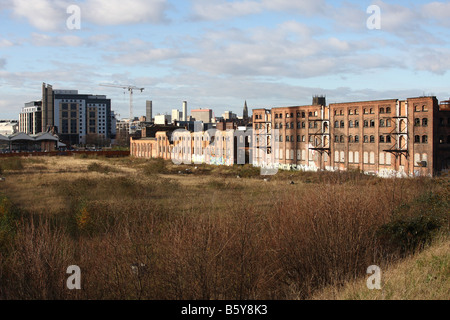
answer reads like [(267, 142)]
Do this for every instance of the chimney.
[(184, 110)]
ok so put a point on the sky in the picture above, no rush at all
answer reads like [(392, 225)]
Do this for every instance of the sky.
[(218, 54)]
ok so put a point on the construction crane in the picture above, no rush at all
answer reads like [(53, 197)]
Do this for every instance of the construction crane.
[(131, 90)]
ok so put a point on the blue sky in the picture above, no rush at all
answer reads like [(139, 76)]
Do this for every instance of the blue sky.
[(217, 54)]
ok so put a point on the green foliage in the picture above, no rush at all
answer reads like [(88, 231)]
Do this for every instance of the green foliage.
[(415, 224)]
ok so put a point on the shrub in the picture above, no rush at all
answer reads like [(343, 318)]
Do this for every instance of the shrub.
[(415, 224), (155, 166)]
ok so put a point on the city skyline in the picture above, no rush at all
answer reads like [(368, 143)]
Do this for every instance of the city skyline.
[(218, 54)]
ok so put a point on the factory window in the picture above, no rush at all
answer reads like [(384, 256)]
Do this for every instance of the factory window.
[(303, 138), (65, 106), (350, 124), (336, 138), (336, 156), (371, 110), (281, 126), (303, 125), (350, 112), (356, 139), (298, 114), (341, 139), (425, 122), (388, 110), (356, 160), (366, 123), (372, 139), (388, 139), (372, 123), (424, 139), (417, 139), (336, 124), (388, 123), (342, 124), (365, 111), (299, 138), (350, 157), (356, 123), (366, 139), (381, 160), (281, 138), (350, 139), (299, 125), (381, 110), (366, 157), (303, 115), (292, 125), (292, 115), (287, 138), (417, 122), (276, 125), (382, 140), (424, 108), (276, 116), (372, 158), (382, 123), (356, 111)]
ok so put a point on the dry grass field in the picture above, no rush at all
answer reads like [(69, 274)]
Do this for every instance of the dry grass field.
[(204, 232)]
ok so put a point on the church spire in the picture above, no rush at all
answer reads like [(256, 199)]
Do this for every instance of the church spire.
[(245, 115)]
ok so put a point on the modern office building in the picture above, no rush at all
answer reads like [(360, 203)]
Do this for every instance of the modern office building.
[(74, 116), (30, 119)]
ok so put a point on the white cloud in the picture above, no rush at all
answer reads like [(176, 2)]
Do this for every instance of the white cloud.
[(2, 63), (221, 10), (46, 15), (51, 15), (439, 11), (45, 40), (5, 43), (117, 12), (433, 60)]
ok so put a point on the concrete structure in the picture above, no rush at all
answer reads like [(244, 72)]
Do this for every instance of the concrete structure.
[(176, 115), (204, 115), (74, 116), (185, 116), (30, 119), (163, 119), (149, 111), (8, 127)]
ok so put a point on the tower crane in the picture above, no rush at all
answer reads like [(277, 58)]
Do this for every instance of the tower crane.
[(130, 89)]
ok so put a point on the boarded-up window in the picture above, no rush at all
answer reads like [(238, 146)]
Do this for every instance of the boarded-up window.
[(424, 157), (382, 158), (287, 154), (350, 157), (357, 157), (417, 159), (292, 154), (372, 158), (388, 159), (304, 155), (336, 156), (299, 155), (342, 160), (366, 157)]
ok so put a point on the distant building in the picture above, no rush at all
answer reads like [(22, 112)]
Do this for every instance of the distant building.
[(163, 119), (8, 127), (228, 115), (205, 115), (176, 115), (30, 119), (149, 111), (74, 116)]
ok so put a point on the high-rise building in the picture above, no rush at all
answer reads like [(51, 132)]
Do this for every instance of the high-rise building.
[(74, 116), (30, 119), (149, 111), (204, 115)]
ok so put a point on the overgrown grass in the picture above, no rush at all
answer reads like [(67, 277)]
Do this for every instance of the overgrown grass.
[(217, 237)]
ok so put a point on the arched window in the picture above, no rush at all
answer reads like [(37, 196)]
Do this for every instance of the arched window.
[(382, 123), (382, 139), (425, 122), (388, 123), (350, 124), (417, 139), (372, 123), (381, 110), (336, 124), (366, 139), (342, 124), (417, 122), (356, 123), (350, 139), (372, 139), (356, 139), (366, 123), (341, 140), (424, 139), (388, 139), (388, 110)]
